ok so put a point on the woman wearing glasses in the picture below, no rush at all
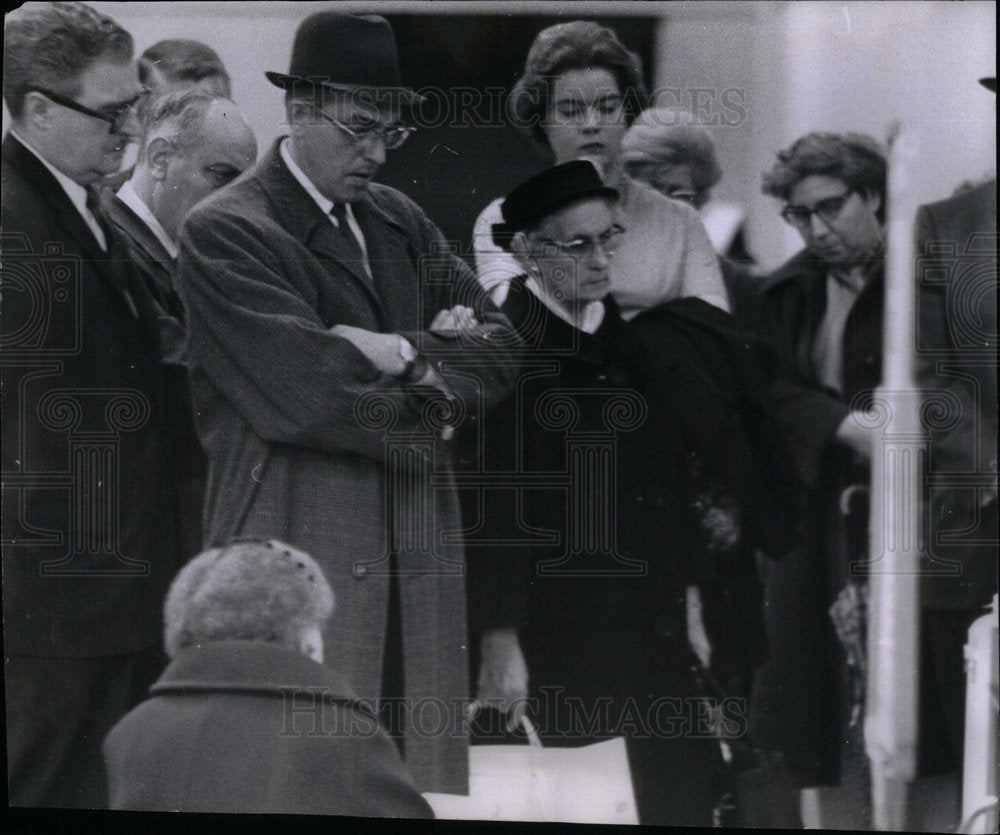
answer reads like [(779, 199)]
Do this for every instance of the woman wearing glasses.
[(580, 90), (620, 553), (823, 311)]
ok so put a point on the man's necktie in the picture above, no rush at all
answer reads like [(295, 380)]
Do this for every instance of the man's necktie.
[(124, 276), (339, 211), (97, 212)]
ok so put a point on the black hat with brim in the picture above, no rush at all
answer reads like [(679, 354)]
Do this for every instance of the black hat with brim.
[(554, 189), (348, 53)]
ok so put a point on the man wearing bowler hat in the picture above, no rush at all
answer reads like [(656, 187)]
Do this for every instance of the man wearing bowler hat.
[(335, 347)]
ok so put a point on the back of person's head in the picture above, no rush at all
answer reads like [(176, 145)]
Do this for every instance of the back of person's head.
[(855, 159), (50, 45), (663, 137), (576, 45), (182, 63), (246, 591)]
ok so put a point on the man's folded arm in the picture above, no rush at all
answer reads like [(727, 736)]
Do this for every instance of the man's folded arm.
[(260, 342)]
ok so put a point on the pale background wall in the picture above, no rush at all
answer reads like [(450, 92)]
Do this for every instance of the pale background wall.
[(801, 66)]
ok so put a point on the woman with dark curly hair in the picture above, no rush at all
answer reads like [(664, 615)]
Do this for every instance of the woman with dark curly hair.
[(580, 90), (823, 312)]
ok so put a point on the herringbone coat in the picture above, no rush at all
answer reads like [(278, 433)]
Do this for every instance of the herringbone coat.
[(308, 442)]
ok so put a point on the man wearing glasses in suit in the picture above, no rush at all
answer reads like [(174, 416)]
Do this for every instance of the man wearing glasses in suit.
[(88, 506)]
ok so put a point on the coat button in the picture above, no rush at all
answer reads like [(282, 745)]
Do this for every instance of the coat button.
[(359, 570)]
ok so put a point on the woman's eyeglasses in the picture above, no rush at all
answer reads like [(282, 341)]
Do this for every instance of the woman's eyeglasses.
[(829, 210), (583, 248)]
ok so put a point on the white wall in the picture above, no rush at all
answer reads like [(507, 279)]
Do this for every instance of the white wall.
[(803, 66), (855, 66)]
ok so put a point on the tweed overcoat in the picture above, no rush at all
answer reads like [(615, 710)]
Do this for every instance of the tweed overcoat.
[(248, 727), (310, 443)]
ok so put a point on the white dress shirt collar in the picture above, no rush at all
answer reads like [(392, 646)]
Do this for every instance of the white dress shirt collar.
[(324, 203), (130, 198), (588, 320), (74, 191)]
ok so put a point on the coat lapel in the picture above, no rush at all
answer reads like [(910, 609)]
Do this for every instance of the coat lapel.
[(302, 219), (103, 263), (391, 259)]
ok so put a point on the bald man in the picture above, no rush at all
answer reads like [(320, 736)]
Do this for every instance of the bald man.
[(192, 143)]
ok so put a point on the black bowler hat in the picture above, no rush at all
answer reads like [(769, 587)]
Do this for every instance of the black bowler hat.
[(548, 192), (990, 83), (345, 52)]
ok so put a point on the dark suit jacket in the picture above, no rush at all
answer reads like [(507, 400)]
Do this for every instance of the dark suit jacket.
[(88, 504), (240, 726), (153, 263), (310, 442), (957, 352), (799, 695)]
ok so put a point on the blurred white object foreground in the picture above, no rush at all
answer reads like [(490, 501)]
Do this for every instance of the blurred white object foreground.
[(979, 772), (590, 784)]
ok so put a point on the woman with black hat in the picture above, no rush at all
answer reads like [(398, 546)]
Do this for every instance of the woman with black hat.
[(619, 556)]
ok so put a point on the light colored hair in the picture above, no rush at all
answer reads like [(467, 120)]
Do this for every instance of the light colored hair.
[(184, 110), (247, 591), (662, 137)]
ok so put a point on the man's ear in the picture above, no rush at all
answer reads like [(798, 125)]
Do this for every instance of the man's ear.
[(37, 111), (158, 154), (299, 111)]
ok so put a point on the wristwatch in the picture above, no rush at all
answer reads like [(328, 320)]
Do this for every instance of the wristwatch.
[(414, 365)]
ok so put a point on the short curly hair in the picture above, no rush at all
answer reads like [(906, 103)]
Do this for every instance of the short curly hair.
[(246, 591), (577, 45), (51, 45), (854, 158)]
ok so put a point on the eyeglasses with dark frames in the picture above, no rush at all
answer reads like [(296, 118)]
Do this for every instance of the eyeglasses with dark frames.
[(581, 247), (116, 115), (393, 136), (829, 210)]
